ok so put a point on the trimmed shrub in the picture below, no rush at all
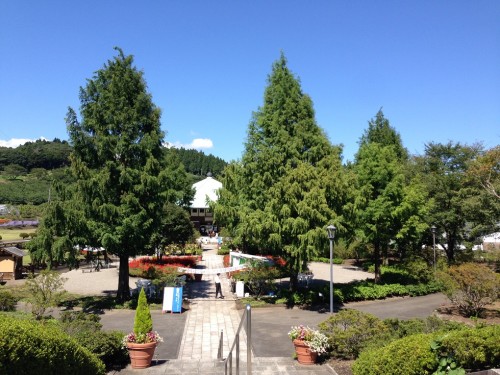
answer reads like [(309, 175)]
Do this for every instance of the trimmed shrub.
[(142, 322), (7, 301), (349, 331), (472, 348), (28, 347), (475, 349), (411, 355), (86, 329)]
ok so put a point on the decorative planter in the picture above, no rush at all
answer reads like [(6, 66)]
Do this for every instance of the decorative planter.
[(141, 354), (304, 354)]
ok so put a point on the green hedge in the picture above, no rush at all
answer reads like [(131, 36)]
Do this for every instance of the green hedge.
[(86, 329), (473, 348), (367, 290), (29, 347)]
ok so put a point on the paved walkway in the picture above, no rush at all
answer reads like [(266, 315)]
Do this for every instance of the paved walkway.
[(208, 316), (205, 318), (192, 337)]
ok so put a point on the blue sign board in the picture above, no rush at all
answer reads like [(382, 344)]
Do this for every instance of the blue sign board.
[(172, 299)]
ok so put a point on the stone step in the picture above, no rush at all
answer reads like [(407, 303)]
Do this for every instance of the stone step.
[(260, 366)]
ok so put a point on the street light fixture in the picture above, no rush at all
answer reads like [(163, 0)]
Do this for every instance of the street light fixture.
[(433, 230), (331, 235)]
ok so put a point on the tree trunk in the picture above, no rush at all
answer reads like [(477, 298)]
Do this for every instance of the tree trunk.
[(293, 281), (450, 249), (123, 293), (376, 261)]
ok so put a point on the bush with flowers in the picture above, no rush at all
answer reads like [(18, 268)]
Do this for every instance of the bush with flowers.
[(315, 340), (143, 325)]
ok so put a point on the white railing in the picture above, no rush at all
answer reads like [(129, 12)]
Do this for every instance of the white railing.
[(228, 362)]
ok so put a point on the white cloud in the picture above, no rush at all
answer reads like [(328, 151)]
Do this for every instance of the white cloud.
[(197, 144), (14, 142)]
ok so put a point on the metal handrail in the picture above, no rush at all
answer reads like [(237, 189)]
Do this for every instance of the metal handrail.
[(236, 344)]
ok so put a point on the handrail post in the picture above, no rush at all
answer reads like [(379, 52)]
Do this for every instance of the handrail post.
[(221, 342), (249, 340), (238, 354), (236, 346)]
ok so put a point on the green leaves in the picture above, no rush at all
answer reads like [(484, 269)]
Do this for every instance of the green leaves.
[(289, 184)]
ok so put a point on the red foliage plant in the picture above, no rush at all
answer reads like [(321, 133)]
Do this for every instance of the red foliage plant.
[(146, 263)]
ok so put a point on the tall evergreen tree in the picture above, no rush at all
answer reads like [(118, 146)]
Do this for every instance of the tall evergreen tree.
[(117, 162), (380, 131), (444, 172), (388, 207), (289, 183)]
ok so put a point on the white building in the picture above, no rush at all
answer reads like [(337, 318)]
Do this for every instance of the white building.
[(205, 191)]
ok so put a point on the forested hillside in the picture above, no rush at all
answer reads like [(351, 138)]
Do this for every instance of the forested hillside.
[(27, 171), (197, 163)]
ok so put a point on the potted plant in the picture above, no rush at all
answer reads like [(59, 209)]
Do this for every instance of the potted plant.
[(141, 343), (309, 343)]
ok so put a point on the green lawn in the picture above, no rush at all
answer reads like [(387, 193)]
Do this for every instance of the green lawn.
[(13, 234)]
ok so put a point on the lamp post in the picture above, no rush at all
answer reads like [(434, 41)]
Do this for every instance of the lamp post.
[(433, 230), (331, 235)]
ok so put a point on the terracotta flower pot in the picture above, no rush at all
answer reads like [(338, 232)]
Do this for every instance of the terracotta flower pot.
[(304, 354), (141, 354)]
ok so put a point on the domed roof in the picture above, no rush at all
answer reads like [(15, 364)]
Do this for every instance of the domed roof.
[(205, 189)]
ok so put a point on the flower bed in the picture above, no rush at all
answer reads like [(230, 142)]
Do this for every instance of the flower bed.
[(142, 266)]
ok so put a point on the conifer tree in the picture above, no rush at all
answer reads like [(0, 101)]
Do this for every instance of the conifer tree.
[(116, 160), (389, 207), (289, 185)]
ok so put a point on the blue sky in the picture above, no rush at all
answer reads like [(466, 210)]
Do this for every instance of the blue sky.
[(434, 66)]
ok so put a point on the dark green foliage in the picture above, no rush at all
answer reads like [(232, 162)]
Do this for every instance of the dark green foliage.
[(28, 347), (224, 250), (289, 184), (381, 132), (443, 169), (38, 154), (13, 171), (197, 163), (349, 331), (389, 206), (411, 355), (24, 192), (473, 348), (7, 301), (259, 278), (447, 364), (142, 322), (402, 328), (367, 290), (117, 160), (86, 329), (176, 226)]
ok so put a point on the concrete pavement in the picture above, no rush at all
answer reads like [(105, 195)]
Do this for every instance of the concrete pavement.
[(192, 337)]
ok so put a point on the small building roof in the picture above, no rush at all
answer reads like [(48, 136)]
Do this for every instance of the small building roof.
[(205, 189), (14, 251)]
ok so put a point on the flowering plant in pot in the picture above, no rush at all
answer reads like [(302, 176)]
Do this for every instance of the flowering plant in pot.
[(141, 343), (308, 342)]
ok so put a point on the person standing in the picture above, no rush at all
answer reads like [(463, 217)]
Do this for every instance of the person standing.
[(218, 289)]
